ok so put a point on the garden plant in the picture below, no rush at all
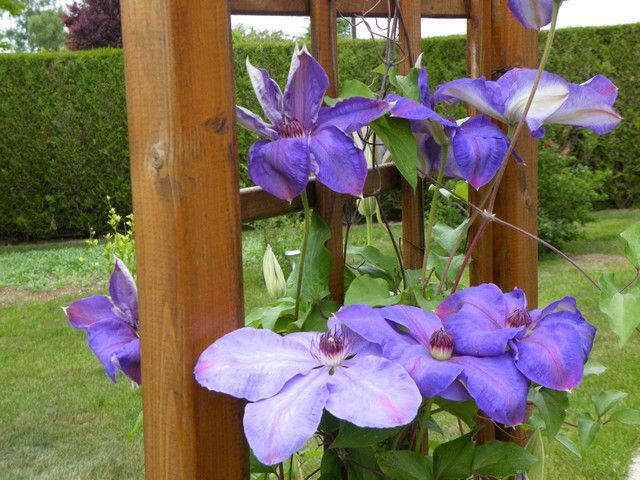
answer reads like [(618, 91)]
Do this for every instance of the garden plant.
[(352, 392)]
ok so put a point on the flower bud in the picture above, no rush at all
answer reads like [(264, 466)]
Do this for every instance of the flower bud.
[(273, 275), (441, 345), (367, 206)]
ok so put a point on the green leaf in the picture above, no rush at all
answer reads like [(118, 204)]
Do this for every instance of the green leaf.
[(316, 318), (535, 446), (552, 408), (408, 85), (587, 429), (398, 138), (376, 263), (568, 444), (370, 290), (361, 463), (405, 465), (439, 262), (606, 400), (351, 436), (632, 250), (453, 460), (623, 309), (331, 466), (499, 459), (465, 411), (266, 317), (446, 237), (136, 433), (628, 416), (256, 467), (594, 368)]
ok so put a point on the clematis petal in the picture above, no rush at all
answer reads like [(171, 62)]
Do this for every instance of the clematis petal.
[(533, 14), (431, 376), (586, 108), (106, 339), (552, 92), (515, 300), (124, 293), (552, 355), (268, 93), (478, 149), (253, 122), (423, 86), (476, 317), (402, 107), (351, 114), (456, 392), (420, 324), (279, 426), (281, 167), (604, 87), (341, 165), (496, 385), (252, 364), (86, 311), (373, 392), (305, 89), (128, 360), (480, 93)]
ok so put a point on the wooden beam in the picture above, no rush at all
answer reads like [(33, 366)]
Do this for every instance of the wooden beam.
[(329, 205), (373, 8), (256, 204), (185, 195), (413, 241)]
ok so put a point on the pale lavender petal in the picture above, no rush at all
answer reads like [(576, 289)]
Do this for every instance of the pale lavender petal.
[(373, 392), (305, 89), (341, 165), (420, 324), (423, 87), (497, 386), (352, 113), (87, 311), (128, 360), (279, 426), (480, 93), (604, 87), (124, 293), (268, 93), (586, 108), (533, 14), (402, 107), (252, 364), (253, 122), (478, 149), (552, 355), (515, 300), (107, 338), (456, 392), (431, 376), (281, 167), (552, 92)]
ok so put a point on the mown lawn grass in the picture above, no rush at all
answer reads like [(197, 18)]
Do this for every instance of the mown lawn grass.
[(60, 416)]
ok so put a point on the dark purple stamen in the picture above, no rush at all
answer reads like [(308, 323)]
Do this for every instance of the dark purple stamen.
[(441, 345), (519, 318), (292, 129)]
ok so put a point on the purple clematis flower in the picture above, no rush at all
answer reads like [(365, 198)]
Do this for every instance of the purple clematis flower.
[(112, 324), (533, 14), (418, 341), (477, 147), (588, 105), (303, 137), (292, 379), (549, 346)]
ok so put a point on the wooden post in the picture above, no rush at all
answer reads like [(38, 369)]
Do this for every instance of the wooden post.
[(184, 173), (413, 242), (330, 205)]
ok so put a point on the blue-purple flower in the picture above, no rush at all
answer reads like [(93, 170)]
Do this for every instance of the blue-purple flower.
[(292, 379), (303, 138), (476, 147), (588, 105), (533, 14), (419, 342), (112, 324), (549, 346)]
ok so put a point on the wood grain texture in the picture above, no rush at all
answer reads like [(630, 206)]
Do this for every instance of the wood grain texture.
[(329, 205), (413, 241), (428, 8), (185, 192)]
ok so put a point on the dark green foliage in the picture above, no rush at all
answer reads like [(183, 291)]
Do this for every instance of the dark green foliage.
[(63, 137), (567, 193)]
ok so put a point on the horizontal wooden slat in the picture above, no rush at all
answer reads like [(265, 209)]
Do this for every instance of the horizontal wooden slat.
[(257, 204), (373, 8)]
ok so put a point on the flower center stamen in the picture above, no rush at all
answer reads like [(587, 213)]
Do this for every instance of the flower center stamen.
[(519, 318), (292, 129), (333, 348), (441, 345)]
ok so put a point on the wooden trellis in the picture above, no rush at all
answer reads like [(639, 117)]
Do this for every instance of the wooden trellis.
[(180, 94)]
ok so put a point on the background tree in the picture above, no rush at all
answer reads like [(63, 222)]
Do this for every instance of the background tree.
[(12, 7), (21, 37), (44, 31), (93, 24)]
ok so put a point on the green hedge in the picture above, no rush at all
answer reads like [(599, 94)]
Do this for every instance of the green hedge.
[(63, 137)]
